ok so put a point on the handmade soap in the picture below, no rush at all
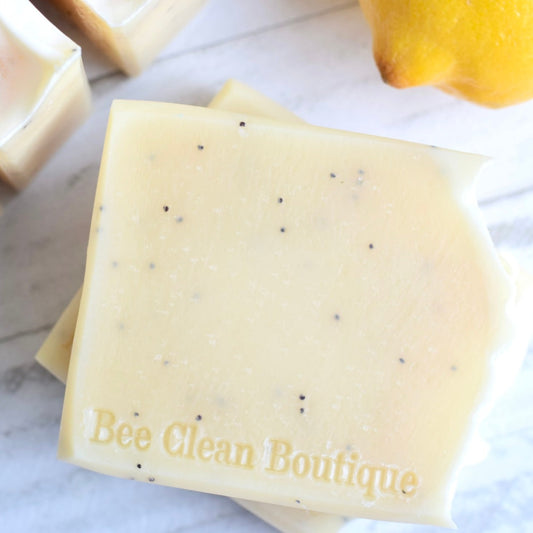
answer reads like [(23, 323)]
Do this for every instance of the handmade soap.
[(283, 313), (44, 94), (130, 33)]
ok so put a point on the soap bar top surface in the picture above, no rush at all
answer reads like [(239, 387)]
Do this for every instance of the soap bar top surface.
[(283, 313)]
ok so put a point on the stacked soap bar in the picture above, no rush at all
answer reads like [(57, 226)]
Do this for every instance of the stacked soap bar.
[(268, 395), (130, 33), (44, 94)]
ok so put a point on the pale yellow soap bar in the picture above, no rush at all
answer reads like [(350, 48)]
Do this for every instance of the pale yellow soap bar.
[(55, 351), (283, 313), (44, 93), (130, 32)]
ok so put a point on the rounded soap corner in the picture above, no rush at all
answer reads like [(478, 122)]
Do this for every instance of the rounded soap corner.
[(118, 108), (233, 84), (229, 87), (116, 104)]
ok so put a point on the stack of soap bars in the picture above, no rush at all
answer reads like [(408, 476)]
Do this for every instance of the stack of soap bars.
[(308, 320)]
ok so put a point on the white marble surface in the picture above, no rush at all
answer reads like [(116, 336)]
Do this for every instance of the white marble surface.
[(314, 56)]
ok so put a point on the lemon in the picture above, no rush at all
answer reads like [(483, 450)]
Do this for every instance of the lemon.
[(480, 50)]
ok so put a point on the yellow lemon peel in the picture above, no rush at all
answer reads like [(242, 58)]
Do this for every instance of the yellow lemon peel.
[(477, 50)]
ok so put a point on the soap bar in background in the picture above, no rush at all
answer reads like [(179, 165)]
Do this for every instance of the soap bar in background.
[(324, 311), (132, 33), (44, 93), (54, 354), (240, 98)]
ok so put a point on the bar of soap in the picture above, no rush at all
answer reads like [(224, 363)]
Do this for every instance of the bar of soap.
[(55, 352), (131, 33), (44, 93), (283, 313)]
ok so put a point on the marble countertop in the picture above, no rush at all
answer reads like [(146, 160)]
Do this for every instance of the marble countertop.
[(314, 57)]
